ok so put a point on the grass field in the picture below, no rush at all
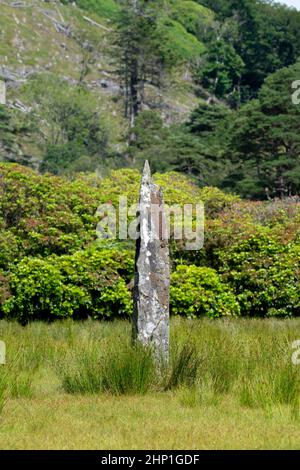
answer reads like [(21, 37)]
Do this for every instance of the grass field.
[(231, 384)]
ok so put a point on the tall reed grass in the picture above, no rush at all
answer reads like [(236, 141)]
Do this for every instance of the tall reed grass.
[(248, 360), (2, 389)]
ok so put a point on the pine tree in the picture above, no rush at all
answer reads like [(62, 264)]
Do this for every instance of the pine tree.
[(265, 139), (138, 53)]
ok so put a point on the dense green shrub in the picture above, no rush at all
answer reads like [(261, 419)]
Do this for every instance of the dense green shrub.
[(197, 291), (44, 214), (178, 188), (216, 201), (265, 276), (250, 256), (9, 248), (242, 220), (4, 289), (88, 283)]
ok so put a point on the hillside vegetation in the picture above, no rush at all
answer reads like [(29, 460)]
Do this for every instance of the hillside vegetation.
[(58, 41), (200, 87)]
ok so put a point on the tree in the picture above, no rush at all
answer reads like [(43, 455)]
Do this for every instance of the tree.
[(221, 72), (6, 137), (267, 39), (192, 148), (206, 118), (12, 125), (138, 53), (265, 139), (68, 124)]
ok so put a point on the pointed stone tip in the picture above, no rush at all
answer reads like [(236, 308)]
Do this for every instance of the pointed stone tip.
[(146, 170)]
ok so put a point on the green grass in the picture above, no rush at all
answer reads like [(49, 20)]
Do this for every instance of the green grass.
[(191, 15), (106, 8), (178, 43), (230, 384)]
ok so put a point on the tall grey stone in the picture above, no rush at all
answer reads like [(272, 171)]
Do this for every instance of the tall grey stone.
[(2, 92), (152, 271)]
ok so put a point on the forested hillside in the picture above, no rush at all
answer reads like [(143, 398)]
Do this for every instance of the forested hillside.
[(200, 87)]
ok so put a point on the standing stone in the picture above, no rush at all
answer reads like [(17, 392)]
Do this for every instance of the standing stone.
[(2, 92), (2, 352), (152, 271)]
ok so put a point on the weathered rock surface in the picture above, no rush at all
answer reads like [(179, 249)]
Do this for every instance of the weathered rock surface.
[(152, 271)]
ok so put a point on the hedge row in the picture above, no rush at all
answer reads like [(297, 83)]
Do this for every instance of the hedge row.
[(51, 268), (256, 278)]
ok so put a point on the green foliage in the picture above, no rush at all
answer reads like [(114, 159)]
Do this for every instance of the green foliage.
[(118, 183), (222, 71), (265, 141), (88, 283), (205, 119), (9, 248), (139, 55), (173, 148), (178, 188), (266, 40), (216, 201), (43, 214), (184, 367), (191, 15), (128, 370), (178, 45), (106, 8), (71, 126), (197, 291), (264, 275), (4, 288), (277, 221)]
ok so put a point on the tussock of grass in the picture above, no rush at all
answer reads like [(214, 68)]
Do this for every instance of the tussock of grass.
[(119, 370), (129, 370), (185, 364), (80, 372)]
